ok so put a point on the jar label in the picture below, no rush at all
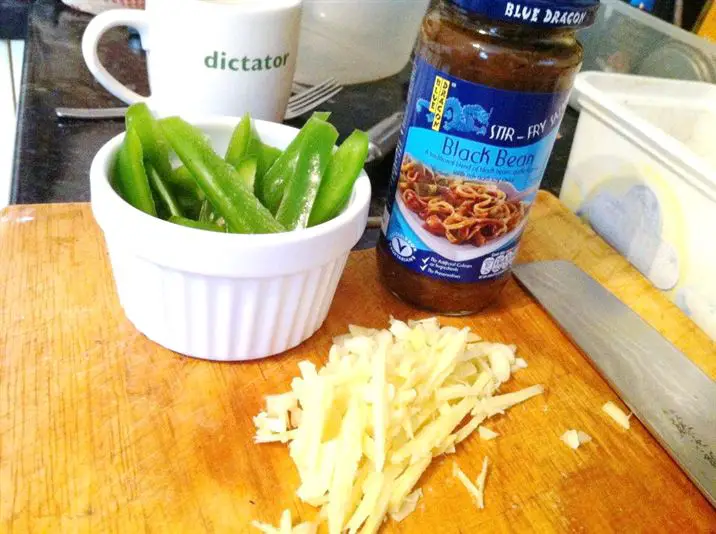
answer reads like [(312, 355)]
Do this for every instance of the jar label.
[(467, 169)]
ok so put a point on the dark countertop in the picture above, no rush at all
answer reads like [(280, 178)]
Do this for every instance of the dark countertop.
[(53, 157), (13, 18)]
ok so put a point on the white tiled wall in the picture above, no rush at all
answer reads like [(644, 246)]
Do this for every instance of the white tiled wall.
[(11, 54)]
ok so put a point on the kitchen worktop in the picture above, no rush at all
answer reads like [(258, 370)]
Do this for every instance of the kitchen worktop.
[(53, 157), (104, 431)]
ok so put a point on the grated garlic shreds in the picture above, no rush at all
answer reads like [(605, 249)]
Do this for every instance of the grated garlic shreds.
[(519, 364), (264, 527), (480, 482), (363, 428), (476, 490), (574, 438), (584, 437), (286, 526), (469, 486), (616, 413), (410, 503), (487, 434), (468, 428), (571, 439)]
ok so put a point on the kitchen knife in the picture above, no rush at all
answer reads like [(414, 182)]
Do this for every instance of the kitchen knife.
[(674, 399), (384, 136)]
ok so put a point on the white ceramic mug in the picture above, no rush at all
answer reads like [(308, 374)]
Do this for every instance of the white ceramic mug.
[(208, 57)]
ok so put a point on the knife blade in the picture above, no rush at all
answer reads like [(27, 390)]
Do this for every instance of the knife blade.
[(674, 399)]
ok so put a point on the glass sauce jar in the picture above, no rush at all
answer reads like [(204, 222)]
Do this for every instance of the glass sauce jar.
[(490, 84)]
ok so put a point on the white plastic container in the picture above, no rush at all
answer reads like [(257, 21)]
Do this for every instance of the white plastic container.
[(642, 172), (225, 297), (356, 40), (626, 40)]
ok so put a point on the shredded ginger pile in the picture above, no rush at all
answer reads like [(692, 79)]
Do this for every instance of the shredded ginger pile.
[(362, 429)]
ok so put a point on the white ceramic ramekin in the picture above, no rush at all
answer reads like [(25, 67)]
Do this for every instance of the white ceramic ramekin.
[(225, 297)]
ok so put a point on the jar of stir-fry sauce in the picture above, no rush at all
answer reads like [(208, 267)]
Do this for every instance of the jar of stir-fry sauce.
[(489, 87)]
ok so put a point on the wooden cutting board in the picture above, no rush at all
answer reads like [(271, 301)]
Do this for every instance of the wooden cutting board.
[(102, 430)]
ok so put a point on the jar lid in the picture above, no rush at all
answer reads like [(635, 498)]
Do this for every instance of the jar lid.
[(538, 13)]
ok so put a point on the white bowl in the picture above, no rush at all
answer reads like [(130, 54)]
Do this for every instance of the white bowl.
[(224, 297)]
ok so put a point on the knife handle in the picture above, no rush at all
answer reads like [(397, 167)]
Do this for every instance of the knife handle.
[(384, 136)]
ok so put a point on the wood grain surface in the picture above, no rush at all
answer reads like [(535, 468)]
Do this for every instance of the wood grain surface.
[(103, 431)]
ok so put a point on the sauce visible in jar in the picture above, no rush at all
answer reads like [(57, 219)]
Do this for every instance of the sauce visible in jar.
[(489, 87)]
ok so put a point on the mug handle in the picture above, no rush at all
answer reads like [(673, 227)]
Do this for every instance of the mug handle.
[(134, 18)]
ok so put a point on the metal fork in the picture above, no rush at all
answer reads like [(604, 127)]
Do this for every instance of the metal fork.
[(298, 104), (311, 98)]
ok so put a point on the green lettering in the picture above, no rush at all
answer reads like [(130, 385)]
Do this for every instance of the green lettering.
[(210, 61), (218, 60)]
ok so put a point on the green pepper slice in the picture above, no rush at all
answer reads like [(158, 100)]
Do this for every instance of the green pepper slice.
[(206, 213), (247, 172), (131, 177), (163, 194), (266, 156), (240, 142), (246, 144), (188, 202), (342, 172), (274, 181), (303, 183), (198, 225), (184, 179), (155, 146), (219, 181)]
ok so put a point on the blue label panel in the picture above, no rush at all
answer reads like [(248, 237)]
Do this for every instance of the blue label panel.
[(467, 169), (522, 166)]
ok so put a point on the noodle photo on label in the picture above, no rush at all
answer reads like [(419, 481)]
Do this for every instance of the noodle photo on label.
[(465, 212)]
